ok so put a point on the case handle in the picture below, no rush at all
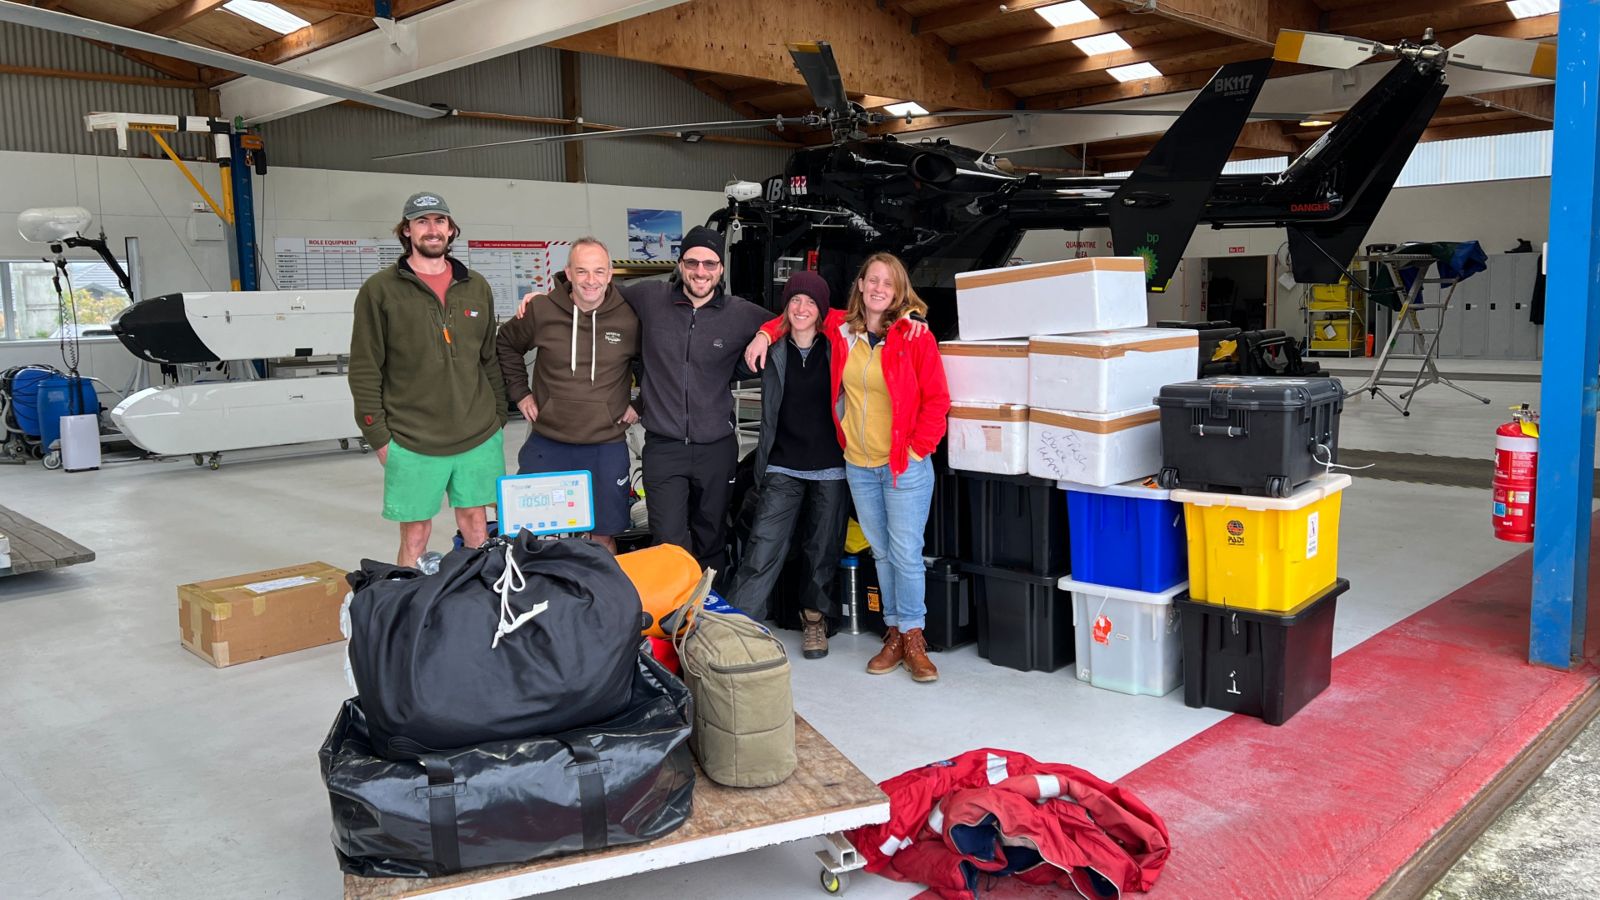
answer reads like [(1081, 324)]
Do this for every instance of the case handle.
[(1231, 431)]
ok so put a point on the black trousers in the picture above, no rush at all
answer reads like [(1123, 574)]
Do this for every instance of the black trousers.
[(819, 508), (687, 488)]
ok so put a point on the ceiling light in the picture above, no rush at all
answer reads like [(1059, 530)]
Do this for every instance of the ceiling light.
[(1066, 13), (693, 137), (1523, 9), (1101, 43), (1315, 123), (268, 14), (1134, 72), (910, 107)]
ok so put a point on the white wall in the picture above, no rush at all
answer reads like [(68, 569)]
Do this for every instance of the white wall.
[(151, 200)]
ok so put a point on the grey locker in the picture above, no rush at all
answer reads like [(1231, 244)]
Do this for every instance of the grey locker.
[(1502, 280), (1450, 340), (1471, 298), (1525, 335)]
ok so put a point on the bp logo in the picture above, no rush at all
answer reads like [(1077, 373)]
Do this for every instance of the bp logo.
[(1235, 532), (1148, 254)]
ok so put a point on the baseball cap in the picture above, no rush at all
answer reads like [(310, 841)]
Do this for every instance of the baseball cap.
[(425, 203)]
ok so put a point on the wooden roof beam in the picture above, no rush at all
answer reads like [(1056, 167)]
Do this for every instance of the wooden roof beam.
[(1046, 37), (330, 31), (103, 77), (1509, 125), (178, 16), (1268, 136), (875, 50), (1151, 53), (1257, 21), (1538, 102), (361, 8), (1369, 15), (975, 11)]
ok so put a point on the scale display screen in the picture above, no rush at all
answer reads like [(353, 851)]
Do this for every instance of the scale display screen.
[(547, 503)]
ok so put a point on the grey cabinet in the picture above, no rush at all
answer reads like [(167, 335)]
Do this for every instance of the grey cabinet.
[(1489, 313)]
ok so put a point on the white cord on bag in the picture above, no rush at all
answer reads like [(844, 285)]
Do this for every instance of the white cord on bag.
[(509, 582), (1329, 465)]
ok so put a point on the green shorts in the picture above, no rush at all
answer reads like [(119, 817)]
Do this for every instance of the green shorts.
[(414, 483)]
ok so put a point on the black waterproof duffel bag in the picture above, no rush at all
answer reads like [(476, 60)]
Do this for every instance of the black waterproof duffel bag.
[(623, 781), (521, 637)]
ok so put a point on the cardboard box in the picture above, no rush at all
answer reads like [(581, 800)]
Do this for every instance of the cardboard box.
[(1096, 293), (231, 620)]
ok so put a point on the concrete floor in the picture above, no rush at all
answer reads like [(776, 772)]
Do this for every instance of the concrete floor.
[(131, 768)]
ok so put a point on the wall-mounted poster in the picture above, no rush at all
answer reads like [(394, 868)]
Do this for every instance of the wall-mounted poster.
[(654, 234)]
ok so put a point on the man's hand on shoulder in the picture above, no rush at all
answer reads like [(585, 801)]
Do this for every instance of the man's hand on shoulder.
[(526, 299)]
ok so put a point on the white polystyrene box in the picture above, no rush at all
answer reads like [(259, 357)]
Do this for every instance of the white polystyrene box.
[(1128, 641), (1091, 294), (988, 437), (986, 371), (1099, 449), (1103, 371)]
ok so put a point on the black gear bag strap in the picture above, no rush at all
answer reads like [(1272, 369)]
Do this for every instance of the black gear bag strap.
[(587, 765), (441, 793)]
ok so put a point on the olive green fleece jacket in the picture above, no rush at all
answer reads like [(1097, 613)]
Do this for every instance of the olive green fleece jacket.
[(423, 373)]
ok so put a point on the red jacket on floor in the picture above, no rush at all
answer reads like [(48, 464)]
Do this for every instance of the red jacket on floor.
[(940, 832)]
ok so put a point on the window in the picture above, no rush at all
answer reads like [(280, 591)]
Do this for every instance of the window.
[(30, 309), (1524, 155)]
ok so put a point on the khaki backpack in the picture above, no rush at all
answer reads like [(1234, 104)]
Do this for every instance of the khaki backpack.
[(738, 674)]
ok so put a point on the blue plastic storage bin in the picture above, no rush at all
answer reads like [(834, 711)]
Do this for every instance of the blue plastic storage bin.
[(63, 395), (1126, 536)]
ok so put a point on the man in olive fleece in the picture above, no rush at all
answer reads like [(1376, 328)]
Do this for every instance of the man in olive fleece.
[(577, 407), (428, 393)]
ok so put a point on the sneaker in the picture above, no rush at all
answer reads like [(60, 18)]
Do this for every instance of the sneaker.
[(915, 657), (888, 659)]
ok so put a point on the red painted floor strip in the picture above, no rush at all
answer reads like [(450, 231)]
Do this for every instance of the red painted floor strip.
[(1417, 720)]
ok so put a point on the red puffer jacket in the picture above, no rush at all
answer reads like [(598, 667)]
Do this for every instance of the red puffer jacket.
[(919, 398), (1003, 813)]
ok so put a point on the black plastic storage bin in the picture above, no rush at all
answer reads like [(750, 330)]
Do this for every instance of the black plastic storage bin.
[(951, 622), (1263, 664), (1024, 621), (1212, 334), (949, 531), (1018, 522), (1251, 435)]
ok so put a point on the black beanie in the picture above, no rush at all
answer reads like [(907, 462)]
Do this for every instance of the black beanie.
[(701, 236), (809, 283)]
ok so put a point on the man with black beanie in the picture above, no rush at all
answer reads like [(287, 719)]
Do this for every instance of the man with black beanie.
[(693, 335)]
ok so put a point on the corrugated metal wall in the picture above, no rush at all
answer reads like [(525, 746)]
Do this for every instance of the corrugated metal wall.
[(45, 115), (347, 137), (624, 92)]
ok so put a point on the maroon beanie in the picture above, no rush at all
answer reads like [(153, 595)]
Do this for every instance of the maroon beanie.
[(809, 283)]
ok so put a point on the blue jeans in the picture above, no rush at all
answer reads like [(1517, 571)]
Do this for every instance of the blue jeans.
[(894, 517)]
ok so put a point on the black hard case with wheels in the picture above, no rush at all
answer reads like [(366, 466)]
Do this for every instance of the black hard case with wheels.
[(1249, 435)]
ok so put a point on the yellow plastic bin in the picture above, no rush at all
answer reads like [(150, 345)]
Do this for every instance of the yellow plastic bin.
[(1263, 553)]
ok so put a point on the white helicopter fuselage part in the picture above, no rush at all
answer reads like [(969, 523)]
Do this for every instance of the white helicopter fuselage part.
[(210, 417), (211, 326)]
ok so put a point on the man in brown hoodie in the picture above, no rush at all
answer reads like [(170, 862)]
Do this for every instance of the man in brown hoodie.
[(577, 406)]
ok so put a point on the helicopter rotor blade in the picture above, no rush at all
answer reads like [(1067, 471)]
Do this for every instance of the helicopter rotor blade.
[(997, 113), (1507, 56), (815, 61), (1330, 51), (63, 23), (729, 125)]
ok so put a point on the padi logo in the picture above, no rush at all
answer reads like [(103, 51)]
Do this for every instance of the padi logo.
[(1233, 84), (1310, 207)]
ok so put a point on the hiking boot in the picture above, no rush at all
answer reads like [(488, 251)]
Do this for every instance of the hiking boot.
[(888, 659), (813, 634), (915, 657)]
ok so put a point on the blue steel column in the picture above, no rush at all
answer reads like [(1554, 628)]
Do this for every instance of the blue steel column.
[(244, 215), (1571, 349)]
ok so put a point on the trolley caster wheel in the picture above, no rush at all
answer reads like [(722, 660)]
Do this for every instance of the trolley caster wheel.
[(344, 443), (199, 459), (1405, 413), (215, 462), (365, 447), (1167, 479), (52, 460), (835, 884), (1278, 486)]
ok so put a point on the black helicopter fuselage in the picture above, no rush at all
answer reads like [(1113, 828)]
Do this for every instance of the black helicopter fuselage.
[(945, 209)]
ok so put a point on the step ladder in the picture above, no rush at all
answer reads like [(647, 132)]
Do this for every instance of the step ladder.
[(1424, 346)]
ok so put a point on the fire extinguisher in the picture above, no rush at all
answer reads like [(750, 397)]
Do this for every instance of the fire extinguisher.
[(1516, 470)]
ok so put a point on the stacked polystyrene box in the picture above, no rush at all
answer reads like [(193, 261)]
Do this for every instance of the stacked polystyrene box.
[(1072, 402)]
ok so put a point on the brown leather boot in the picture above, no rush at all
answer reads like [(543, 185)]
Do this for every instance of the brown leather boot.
[(888, 659), (916, 657), (813, 634)]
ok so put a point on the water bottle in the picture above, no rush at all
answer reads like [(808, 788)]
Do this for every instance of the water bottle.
[(849, 596), (429, 562)]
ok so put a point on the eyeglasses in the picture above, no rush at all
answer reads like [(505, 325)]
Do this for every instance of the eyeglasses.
[(710, 265)]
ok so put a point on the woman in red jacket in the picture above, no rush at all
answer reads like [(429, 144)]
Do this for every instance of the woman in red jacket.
[(890, 404)]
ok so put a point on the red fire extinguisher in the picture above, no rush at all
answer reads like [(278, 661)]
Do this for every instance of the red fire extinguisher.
[(1516, 470)]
